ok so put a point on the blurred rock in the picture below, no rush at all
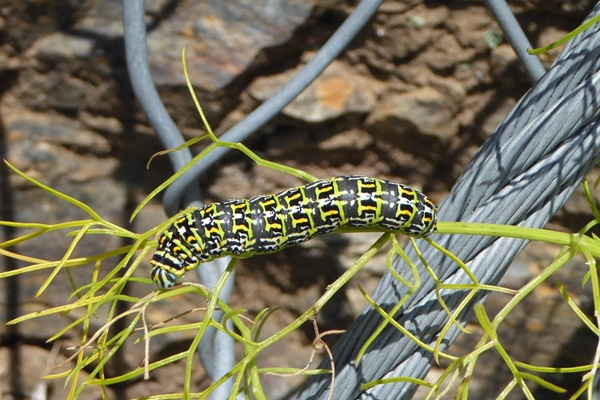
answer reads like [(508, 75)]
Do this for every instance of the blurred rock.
[(503, 60), (446, 54), (565, 7), (336, 92), (497, 114), (222, 39), (348, 140), (57, 147), (422, 111), (470, 27), (405, 35), (61, 47), (452, 88)]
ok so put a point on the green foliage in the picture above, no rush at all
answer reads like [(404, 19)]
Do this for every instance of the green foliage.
[(565, 38), (97, 347)]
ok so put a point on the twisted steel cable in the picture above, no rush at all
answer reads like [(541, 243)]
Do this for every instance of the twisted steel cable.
[(269, 111), (521, 176)]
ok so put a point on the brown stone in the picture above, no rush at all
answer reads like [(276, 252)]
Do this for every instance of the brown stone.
[(336, 92)]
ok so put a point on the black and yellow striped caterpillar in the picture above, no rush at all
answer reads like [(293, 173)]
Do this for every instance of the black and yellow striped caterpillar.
[(265, 224)]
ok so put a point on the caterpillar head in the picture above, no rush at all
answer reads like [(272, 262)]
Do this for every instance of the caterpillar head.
[(167, 269), (163, 279), (172, 258)]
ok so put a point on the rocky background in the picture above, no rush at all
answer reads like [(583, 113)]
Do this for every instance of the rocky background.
[(412, 99)]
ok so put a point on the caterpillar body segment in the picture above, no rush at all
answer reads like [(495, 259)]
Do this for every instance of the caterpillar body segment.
[(269, 223)]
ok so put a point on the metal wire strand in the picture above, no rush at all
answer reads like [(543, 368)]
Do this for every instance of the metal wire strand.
[(515, 35), (214, 343), (521, 176), (146, 94), (240, 132), (185, 187)]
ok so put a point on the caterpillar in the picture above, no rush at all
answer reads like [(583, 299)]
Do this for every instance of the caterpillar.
[(265, 224)]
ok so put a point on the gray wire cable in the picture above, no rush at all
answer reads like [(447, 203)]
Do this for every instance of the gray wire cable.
[(334, 46), (516, 37), (214, 344), (217, 346), (521, 176), (147, 96)]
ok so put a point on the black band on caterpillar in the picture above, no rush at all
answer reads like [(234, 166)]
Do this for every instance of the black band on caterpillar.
[(265, 224)]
